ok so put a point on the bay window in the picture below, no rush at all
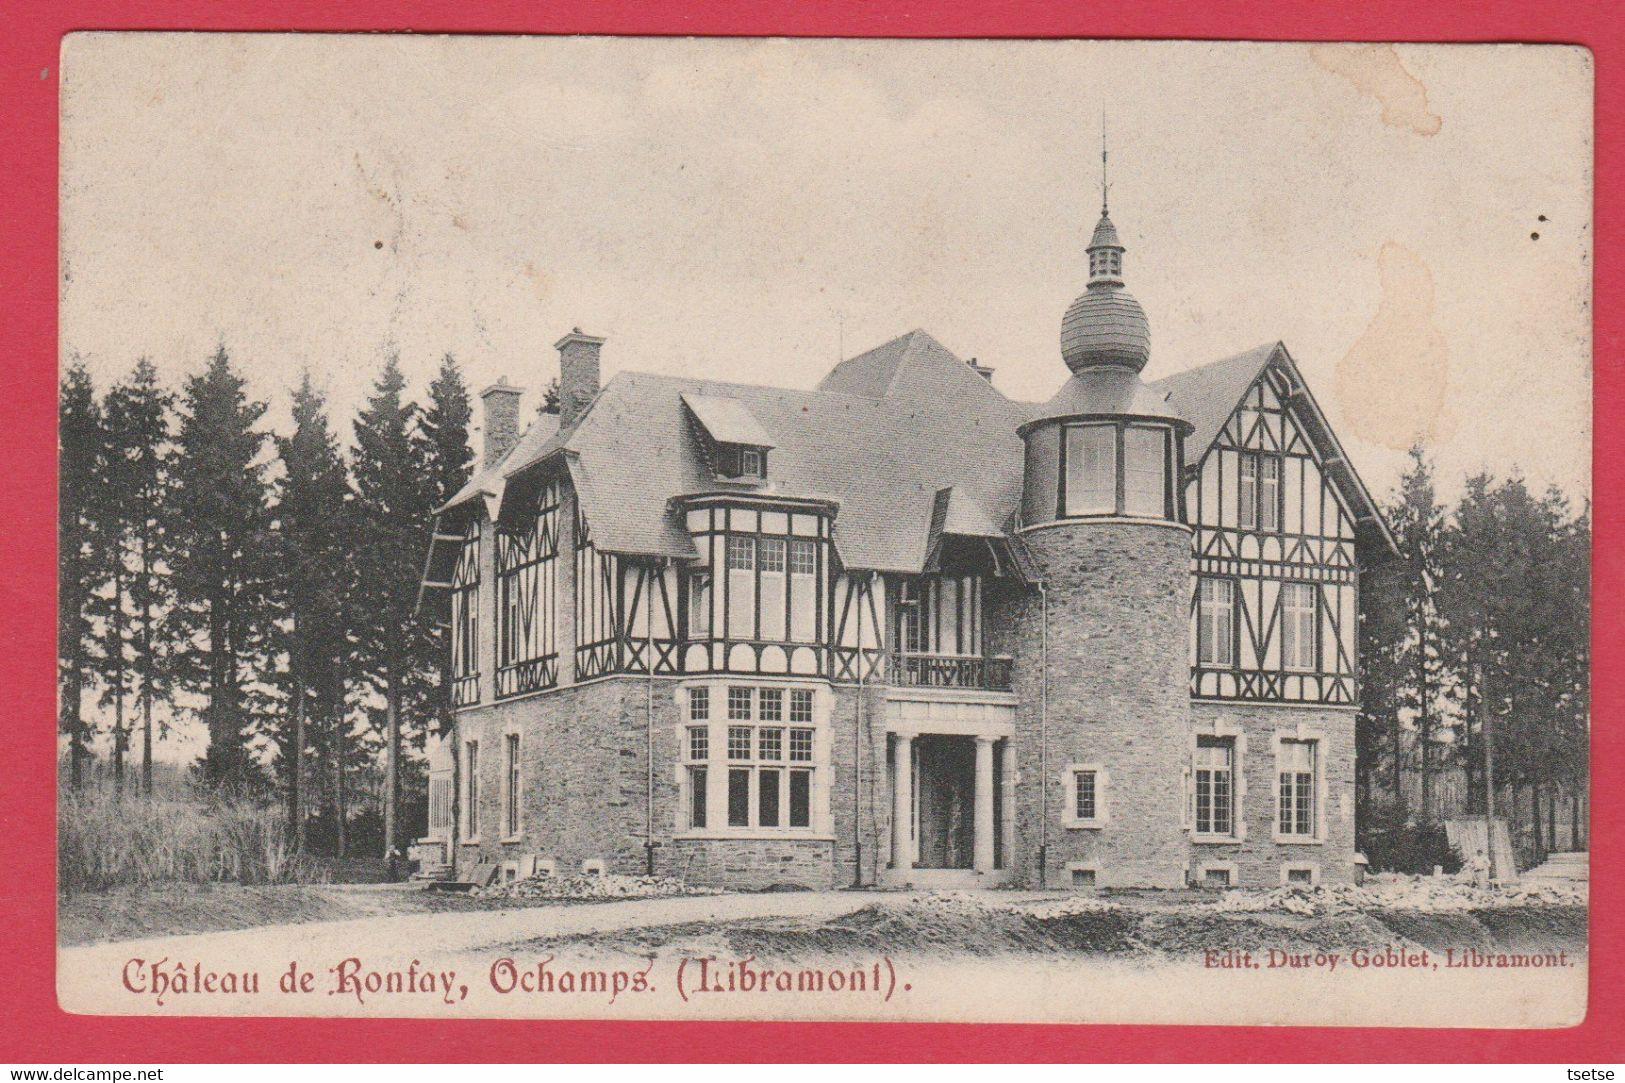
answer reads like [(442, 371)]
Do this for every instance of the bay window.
[(761, 756), (761, 575)]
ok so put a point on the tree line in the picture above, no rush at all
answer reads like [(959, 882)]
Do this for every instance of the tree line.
[(262, 584), (1475, 650)]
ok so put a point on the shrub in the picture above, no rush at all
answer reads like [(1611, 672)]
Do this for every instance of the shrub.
[(1411, 848), (107, 840)]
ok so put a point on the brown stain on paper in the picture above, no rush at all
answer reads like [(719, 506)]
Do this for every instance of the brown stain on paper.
[(1376, 70), (1391, 384)]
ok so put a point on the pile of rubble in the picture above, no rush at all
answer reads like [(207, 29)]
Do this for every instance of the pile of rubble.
[(590, 887), (1424, 894)]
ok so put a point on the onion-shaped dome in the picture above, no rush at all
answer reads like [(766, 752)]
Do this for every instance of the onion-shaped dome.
[(1105, 326)]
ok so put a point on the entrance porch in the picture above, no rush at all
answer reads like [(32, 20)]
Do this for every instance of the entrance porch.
[(952, 776)]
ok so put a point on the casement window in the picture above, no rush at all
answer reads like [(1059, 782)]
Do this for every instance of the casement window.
[(741, 461), (1299, 621), (465, 620), (1145, 472), (803, 590), (1091, 470), (699, 605), (1260, 492), (1113, 468), (440, 806), (770, 566), (801, 706), (698, 752), (1214, 776), (471, 790), (762, 758), (699, 704), (938, 614), (1215, 622), (1085, 795), (741, 587), (1298, 769), (510, 786)]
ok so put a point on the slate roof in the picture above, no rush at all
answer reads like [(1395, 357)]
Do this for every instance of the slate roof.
[(906, 440), (1208, 395)]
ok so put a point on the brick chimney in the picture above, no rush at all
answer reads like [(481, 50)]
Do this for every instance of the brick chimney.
[(578, 375), (501, 401)]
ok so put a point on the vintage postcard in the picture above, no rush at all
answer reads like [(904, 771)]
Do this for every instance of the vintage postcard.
[(657, 528)]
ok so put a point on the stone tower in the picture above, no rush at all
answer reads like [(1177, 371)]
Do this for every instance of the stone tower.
[(1102, 668)]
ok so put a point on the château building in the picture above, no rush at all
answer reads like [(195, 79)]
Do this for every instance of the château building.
[(902, 630)]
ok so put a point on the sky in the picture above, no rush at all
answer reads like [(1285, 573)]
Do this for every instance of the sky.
[(1413, 222)]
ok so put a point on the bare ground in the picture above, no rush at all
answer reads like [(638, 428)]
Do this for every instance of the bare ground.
[(1148, 926)]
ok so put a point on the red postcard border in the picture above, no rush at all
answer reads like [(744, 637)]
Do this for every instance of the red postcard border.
[(36, 1030)]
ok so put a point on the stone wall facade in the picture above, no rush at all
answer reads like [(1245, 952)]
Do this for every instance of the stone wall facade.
[(1118, 703), (1260, 859), (585, 790)]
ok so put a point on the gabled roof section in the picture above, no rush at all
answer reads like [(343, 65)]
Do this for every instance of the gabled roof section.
[(727, 420), (1207, 396), (956, 512), (913, 366)]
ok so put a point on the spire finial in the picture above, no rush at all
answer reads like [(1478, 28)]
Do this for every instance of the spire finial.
[(1104, 187)]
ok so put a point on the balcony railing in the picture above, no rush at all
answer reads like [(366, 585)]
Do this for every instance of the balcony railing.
[(951, 671)]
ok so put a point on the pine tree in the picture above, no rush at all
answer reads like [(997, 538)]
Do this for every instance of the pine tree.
[(143, 408), (223, 551), (1418, 523), (445, 427), (313, 516), (394, 499), (1470, 598), (114, 513), (79, 450), (550, 398)]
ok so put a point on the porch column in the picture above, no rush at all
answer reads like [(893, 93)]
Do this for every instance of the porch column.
[(1007, 788), (902, 802), (983, 848)]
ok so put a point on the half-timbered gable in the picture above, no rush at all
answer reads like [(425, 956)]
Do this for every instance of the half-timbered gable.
[(1273, 602)]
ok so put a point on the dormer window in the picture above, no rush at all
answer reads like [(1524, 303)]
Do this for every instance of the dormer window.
[(735, 440), (739, 462)]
